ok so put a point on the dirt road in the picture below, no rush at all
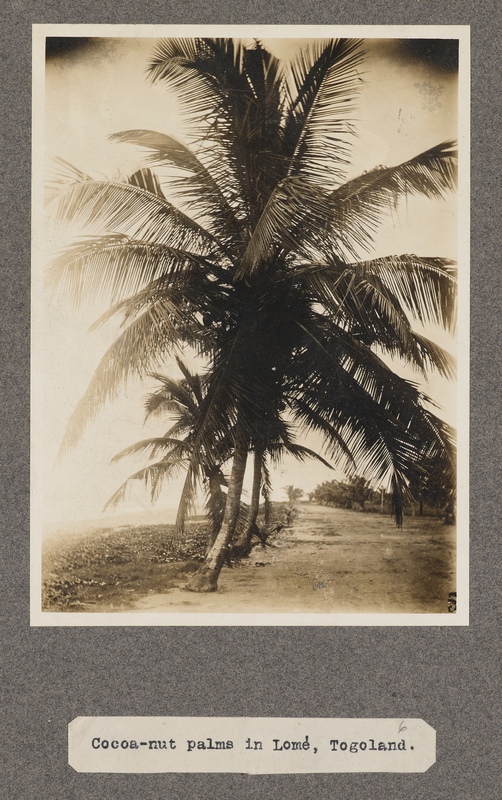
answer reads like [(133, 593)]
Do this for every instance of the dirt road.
[(333, 561)]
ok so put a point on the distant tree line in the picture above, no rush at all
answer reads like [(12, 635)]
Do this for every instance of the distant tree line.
[(351, 494), (434, 495)]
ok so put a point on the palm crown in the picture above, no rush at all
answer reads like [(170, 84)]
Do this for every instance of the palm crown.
[(249, 247)]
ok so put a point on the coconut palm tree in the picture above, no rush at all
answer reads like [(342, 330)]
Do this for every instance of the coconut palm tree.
[(249, 246), (181, 400)]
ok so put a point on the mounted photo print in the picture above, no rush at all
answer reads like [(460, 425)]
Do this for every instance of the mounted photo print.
[(250, 325)]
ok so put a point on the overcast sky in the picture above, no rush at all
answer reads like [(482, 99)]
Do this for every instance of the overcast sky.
[(406, 105)]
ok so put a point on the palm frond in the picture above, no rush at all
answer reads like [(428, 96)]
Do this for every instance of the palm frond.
[(426, 287), (295, 219), (303, 453), (132, 209), (118, 266), (326, 77), (193, 381), (330, 347), (171, 448), (366, 305), (158, 403), (144, 343), (62, 175), (214, 94), (372, 314), (380, 417), (145, 179), (206, 195), (358, 206), (304, 218), (203, 72), (233, 96), (172, 395), (436, 357), (312, 420), (151, 476), (225, 393)]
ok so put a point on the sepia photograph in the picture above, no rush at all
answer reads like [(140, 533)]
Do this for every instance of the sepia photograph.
[(250, 271)]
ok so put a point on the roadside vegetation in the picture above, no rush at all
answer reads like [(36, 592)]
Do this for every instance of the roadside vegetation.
[(327, 559), (109, 568)]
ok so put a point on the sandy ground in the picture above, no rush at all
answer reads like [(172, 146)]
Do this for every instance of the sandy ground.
[(333, 561)]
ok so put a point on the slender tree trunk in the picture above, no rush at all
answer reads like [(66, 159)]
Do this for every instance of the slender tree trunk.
[(242, 545), (206, 577), (267, 512), (215, 507)]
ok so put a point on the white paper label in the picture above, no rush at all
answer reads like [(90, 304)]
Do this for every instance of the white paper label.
[(253, 745)]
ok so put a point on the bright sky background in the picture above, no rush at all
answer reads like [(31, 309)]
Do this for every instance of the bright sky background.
[(404, 108)]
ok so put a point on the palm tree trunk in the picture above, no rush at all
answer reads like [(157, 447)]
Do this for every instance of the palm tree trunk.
[(242, 545), (215, 508), (206, 577), (267, 512)]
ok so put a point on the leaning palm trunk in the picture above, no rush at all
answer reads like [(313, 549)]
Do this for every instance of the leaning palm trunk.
[(215, 506), (242, 546), (206, 577), (267, 512)]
